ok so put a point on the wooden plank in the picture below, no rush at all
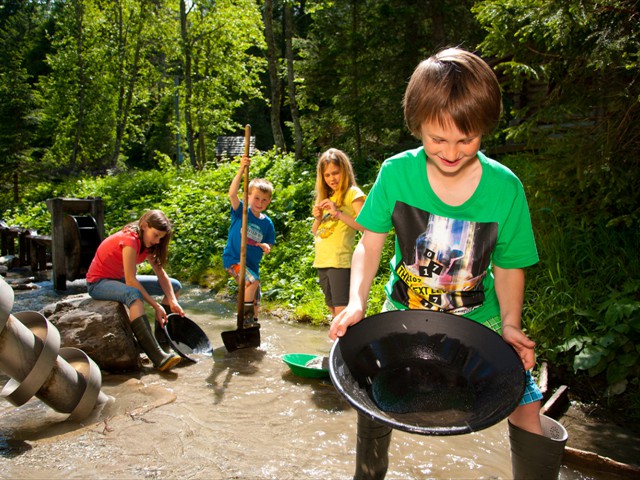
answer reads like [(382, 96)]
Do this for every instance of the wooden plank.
[(558, 401), (592, 462)]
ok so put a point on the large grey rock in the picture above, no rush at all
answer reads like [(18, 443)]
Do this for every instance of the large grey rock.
[(99, 328)]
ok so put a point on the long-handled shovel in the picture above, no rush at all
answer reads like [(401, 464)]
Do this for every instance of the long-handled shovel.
[(243, 337)]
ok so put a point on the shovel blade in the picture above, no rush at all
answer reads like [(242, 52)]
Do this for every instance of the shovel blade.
[(241, 338)]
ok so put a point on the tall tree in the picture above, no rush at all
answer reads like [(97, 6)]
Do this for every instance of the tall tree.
[(134, 23), (19, 31), (356, 61), (274, 76), (79, 113), (573, 67), (226, 41), (188, 81), (291, 82)]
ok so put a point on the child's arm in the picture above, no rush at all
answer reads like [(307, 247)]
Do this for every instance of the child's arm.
[(364, 266), (509, 285), (165, 284), (327, 204), (266, 247), (317, 218), (130, 271), (348, 219), (234, 188)]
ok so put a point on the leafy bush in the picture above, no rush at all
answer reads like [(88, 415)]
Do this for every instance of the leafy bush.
[(582, 300)]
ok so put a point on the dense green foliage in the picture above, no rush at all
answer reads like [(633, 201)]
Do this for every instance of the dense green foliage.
[(582, 301), (572, 73)]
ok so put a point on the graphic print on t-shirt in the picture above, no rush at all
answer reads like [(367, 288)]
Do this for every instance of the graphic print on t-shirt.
[(443, 260), (327, 226), (254, 234)]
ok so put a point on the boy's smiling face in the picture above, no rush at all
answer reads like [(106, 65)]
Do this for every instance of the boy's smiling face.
[(258, 201), (449, 150)]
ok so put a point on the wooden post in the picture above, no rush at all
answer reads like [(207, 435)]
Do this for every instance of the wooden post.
[(57, 243)]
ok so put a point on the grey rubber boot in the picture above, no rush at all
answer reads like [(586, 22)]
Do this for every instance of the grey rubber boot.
[(158, 332), (161, 360), (537, 456), (372, 449), (249, 319)]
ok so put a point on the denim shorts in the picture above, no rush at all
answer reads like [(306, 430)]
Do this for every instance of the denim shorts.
[(119, 291)]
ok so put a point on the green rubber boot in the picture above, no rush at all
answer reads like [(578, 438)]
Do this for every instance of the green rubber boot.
[(161, 360), (537, 456)]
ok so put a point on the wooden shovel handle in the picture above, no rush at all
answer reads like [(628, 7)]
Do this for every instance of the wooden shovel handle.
[(245, 221)]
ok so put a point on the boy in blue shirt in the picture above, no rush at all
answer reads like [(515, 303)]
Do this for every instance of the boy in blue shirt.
[(261, 236)]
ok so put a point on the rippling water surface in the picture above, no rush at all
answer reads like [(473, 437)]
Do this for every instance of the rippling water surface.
[(231, 415)]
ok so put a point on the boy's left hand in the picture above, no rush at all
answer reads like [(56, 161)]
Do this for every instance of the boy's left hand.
[(266, 248), (523, 345)]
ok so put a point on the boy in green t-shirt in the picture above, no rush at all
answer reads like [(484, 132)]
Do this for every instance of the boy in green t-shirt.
[(462, 225)]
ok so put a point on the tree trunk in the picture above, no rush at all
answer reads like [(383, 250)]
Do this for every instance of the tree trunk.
[(125, 95), (293, 102), (355, 76), (79, 12), (186, 49), (274, 78), (16, 187)]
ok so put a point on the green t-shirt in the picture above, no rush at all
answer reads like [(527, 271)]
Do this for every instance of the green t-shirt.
[(444, 254)]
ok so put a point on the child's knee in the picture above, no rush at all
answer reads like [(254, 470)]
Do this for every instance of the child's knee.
[(175, 285), (131, 296)]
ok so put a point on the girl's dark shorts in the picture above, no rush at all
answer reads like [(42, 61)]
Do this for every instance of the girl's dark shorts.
[(335, 285)]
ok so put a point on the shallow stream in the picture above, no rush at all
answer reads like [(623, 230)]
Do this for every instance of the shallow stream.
[(231, 415)]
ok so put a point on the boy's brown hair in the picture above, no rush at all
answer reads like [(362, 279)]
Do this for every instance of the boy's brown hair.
[(453, 85), (265, 186)]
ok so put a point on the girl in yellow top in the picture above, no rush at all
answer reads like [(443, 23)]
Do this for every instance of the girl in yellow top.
[(337, 204)]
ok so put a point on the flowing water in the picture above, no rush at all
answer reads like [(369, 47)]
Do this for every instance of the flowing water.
[(231, 415)]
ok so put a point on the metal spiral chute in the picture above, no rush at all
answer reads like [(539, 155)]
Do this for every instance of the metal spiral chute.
[(65, 379)]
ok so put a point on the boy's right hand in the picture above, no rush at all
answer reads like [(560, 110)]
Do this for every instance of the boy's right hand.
[(349, 316)]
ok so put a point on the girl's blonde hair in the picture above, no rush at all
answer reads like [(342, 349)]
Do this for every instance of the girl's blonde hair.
[(333, 156), (158, 220)]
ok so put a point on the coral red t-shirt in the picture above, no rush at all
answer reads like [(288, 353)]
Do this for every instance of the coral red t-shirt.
[(107, 262)]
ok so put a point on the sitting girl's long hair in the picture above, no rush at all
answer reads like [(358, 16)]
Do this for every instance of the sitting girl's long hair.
[(158, 220)]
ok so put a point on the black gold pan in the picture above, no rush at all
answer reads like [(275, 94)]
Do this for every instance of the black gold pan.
[(186, 337), (427, 372)]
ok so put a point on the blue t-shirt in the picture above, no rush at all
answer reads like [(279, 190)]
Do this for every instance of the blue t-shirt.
[(259, 230)]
